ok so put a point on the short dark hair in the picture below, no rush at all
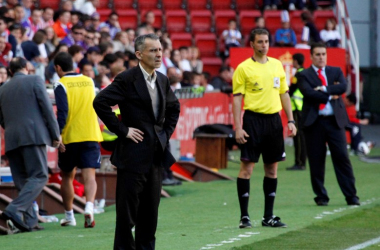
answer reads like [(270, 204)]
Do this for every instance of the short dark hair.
[(317, 45), (352, 98), (255, 32), (224, 68), (77, 26), (110, 58), (74, 49), (140, 41), (65, 61), (300, 58), (39, 36), (17, 64), (85, 64)]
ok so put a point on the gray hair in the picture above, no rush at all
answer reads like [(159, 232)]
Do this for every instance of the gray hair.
[(140, 41)]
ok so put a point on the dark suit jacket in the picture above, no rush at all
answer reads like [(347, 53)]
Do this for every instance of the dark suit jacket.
[(26, 112), (129, 90), (308, 80)]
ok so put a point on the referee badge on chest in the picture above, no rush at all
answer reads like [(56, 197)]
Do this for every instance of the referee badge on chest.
[(276, 82)]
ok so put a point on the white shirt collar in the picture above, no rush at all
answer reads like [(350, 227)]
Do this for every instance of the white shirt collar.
[(316, 69), (151, 80)]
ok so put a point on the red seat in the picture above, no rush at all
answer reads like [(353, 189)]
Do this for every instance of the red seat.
[(321, 16), (207, 44), (104, 13), (198, 5), (212, 65), (54, 4), (148, 4), (181, 39), (123, 4), (272, 20), (247, 20), (245, 5), (221, 5), (103, 4), (172, 4), (176, 21), (221, 19), (158, 22), (200, 21), (127, 18), (296, 21)]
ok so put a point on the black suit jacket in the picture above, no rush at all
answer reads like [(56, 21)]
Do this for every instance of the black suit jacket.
[(308, 80), (129, 90)]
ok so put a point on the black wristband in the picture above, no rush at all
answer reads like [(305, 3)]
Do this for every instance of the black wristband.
[(292, 122)]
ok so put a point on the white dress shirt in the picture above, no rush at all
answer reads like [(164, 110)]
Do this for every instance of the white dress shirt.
[(149, 79)]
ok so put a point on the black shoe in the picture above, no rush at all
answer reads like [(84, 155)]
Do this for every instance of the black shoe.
[(245, 222), (37, 228), (296, 167), (322, 202), (353, 202), (16, 221), (273, 221)]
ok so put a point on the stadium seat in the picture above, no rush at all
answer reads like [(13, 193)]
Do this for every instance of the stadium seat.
[(181, 39), (200, 21), (172, 4), (296, 21), (221, 5), (148, 4), (198, 5), (321, 16), (272, 20), (212, 65), (158, 17), (103, 4), (123, 4), (207, 44), (127, 18), (247, 20), (54, 4), (241, 5), (176, 21), (221, 19), (103, 13)]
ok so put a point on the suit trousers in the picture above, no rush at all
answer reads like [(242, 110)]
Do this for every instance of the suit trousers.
[(325, 129), (299, 142), (30, 173), (137, 200)]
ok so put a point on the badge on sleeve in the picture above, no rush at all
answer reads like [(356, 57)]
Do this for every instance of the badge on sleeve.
[(276, 82)]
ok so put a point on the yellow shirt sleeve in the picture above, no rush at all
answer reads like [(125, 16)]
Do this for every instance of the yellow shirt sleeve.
[(238, 81), (283, 84)]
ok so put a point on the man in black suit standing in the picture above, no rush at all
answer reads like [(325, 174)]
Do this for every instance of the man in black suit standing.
[(149, 113), (323, 119)]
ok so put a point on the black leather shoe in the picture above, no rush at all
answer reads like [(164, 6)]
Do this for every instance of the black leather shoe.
[(37, 228), (322, 203), (296, 167), (353, 202), (16, 221)]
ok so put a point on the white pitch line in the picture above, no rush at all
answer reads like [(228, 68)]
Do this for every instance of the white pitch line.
[(365, 244)]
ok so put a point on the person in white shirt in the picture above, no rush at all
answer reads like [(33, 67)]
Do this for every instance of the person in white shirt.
[(231, 37), (89, 7), (330, 35)]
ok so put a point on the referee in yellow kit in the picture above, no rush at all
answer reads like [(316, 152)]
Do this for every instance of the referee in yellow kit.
[(260, 80)]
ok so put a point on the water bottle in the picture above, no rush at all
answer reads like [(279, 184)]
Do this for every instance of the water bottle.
[(35, 207)]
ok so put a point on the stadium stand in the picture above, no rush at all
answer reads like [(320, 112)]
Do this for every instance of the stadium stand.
[(127, 18), (212, 65), (181, 39), (272, 20), (201, 21), (296, 22), (176, 21), (158, 18), (207, 44), (221, 19), (198, 5), (321, 16), (123, 4), (148, 4), (172, 4), (247, 20)]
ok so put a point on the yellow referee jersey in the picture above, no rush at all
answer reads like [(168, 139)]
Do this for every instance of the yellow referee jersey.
[(261, 85)]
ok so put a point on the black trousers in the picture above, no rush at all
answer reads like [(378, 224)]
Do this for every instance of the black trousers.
[(325, 129), (137, 200), (299, 142)]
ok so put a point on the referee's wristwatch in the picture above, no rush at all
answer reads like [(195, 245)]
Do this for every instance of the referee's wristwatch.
[(292, 122)]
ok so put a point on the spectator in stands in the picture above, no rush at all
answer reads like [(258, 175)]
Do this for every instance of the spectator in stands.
[(285, 36), (62, 26), (19, 13), (166, 62), (11, 3), (4, 161), (76, 53), (105, 37), (175, 57), (112, 24), (260, 24), (304, 43), (67, 5), (4, 28), (89, 7), (50, 73), (33, 23), (80, 137), (93, 57), (120, 41), (205, 79), (330, 35), (76, 36), (231, 37), (41, 45), (184, 63), (15, 39), (166, 39), (104, 72), (131, 39), (174, 78), (296, 4), (75, 18), (47, 17), (27, 4), (5, 52), (88, 70), (51, 40), (271, 4), (30, 125), (195, 62), (32, 52), (149, 20), (307, 19), (4, 77), (224, 78), (89, 39), (95, 21)]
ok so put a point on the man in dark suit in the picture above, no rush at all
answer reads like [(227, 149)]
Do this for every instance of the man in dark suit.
[(324, 119), (149, 113), (27, 116)]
